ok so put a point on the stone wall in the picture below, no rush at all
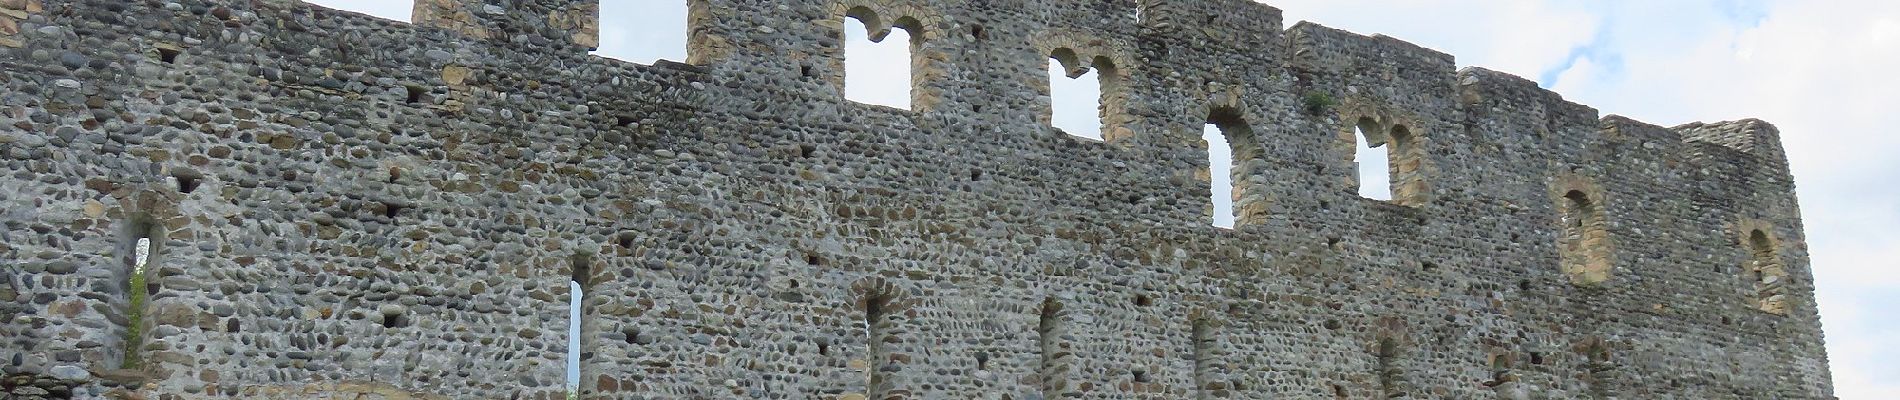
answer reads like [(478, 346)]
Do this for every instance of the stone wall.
[(350, 207)]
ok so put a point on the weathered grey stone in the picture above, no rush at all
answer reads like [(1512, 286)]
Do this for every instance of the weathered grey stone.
[(348, 207), (68, 372)]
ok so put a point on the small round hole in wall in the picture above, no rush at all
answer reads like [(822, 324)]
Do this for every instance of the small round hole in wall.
[(415, 93), (399, 320), (1142, 300), (187, 181), (168, 55)]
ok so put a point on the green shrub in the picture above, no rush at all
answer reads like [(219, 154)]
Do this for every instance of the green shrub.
[(1318, 102)]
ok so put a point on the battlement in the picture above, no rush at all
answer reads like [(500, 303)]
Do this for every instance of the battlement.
[(269, 199)]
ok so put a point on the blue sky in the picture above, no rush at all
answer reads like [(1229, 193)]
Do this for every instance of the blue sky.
[(1827, 72)]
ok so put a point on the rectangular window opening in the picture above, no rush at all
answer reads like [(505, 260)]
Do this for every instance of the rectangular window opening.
[(1220, 163), (1075, 103), (878, 72), (1374, 164), (645, 32)]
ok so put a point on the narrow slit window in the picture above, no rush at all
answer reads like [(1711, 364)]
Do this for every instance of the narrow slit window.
[(1388, 369), (1232, 157), (1766, 270), (644, 32), (876, 333), (1053, 370), (580, 327), (877, 69), (1374, 166), (140, 259), (1076, 99), (1202, 337), (1220, 175)]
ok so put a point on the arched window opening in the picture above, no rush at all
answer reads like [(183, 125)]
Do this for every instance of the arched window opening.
[(1056, 354), (1584, 239), (878, 62), (644, 32), (1766, 270), (580, 328), (1388, 163), (1372, 160), (1232, 157), (1083, 100)]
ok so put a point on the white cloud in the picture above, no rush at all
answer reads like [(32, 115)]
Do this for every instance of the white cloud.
[(389, 9), (1513, 36)]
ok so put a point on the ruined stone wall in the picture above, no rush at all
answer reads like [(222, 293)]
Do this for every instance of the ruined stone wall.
[(348, 207)]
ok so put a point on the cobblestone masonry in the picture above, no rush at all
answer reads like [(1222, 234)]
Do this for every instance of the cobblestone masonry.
[(353, 208)]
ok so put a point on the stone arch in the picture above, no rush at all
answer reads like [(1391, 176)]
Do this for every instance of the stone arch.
[(883, 306), (1400, 133), (1391, 337), (1597, 360), (1248, 164), (1057, 355), (1583, 238), (584, 270), (1205, 351), (879, 18), (1079, 53), (1764, 267), (147, 212)]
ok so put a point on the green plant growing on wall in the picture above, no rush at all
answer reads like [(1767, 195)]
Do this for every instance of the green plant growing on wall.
[(1318, 102)]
